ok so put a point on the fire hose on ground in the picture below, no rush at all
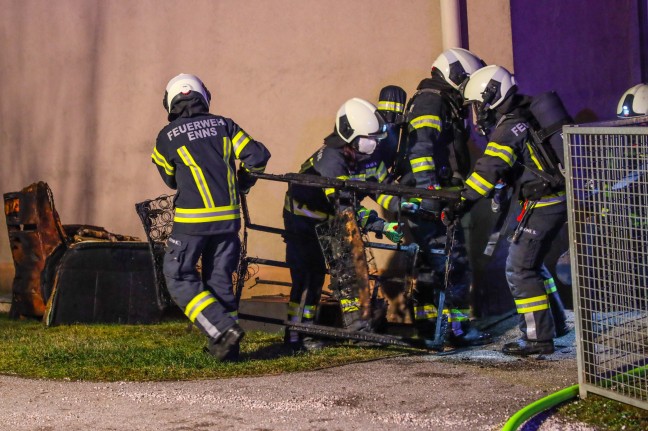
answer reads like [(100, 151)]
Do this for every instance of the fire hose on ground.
[(559, 397)]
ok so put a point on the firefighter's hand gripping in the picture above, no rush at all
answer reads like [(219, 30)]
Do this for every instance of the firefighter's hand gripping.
[(453, 212), (393, 232)]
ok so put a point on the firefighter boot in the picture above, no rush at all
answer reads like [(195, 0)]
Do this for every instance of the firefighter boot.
[(225, 347), (295, 342), (469, 338), (558, 314), (523, 347)]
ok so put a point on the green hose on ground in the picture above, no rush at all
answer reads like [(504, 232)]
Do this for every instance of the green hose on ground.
[(536, 407), (556, 398)]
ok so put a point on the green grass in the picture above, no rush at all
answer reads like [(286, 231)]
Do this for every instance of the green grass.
[(165, 351), (606, 414)]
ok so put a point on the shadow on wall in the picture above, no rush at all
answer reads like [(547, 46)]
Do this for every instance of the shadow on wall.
[(586, 116)]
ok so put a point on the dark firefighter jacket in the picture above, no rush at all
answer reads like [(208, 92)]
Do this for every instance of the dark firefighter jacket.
[(195, 154), (436, 135), (507, 150), (330, 161)]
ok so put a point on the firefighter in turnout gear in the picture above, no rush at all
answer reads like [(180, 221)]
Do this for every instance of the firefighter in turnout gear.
[(438, 158), (195, 154), (494, 92), (351, 152)]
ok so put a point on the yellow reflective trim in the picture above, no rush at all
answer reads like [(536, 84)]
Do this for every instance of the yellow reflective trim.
[(533, 156), (231, 178), (386, 105), (384, 200), (199, 178), (422, 159), (425, 312), (180, 219), (238, 147), (421, 164), (432, 121), (551, 199), (530, 300), (201, 215), (159, 159), (502, 151), (329, 192), (479, 184), (260, 169), (532, 309), (206, 210), (198, 304), (550, 285), (302, 210), (422, 169), (293, 309), (382, 172)]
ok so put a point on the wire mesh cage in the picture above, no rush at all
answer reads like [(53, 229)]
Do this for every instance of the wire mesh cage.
[(607, 171)]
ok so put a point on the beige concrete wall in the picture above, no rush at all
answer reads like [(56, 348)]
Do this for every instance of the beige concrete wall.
[(489, 35), (82, 85)]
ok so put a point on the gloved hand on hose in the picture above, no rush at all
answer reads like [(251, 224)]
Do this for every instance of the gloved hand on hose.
[(454, 212), (410, 207), (393, 232)]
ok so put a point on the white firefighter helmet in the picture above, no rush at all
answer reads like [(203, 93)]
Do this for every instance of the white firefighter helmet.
[(489, 86), (456, 64), (183, 84), (634, 102), (359, 118)]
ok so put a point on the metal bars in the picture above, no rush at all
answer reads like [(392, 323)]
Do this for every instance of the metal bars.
[(607, 185)]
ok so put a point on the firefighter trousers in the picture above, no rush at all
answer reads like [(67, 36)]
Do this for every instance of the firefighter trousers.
[(430, 235), (307, 266), (525, 271), (206, 297)]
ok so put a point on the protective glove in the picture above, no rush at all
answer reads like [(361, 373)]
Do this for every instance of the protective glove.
[(393, 232), (410, 207), (366, 217), (245, 181), (452, 213)]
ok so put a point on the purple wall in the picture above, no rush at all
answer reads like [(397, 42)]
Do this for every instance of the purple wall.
[(586, 50)]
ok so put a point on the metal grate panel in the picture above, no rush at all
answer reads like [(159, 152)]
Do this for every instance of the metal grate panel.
[(607, 172)]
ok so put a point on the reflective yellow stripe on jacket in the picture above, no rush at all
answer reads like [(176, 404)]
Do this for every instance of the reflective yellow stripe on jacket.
[(202, 215), (479, 184), (199, 177), (502, 151)]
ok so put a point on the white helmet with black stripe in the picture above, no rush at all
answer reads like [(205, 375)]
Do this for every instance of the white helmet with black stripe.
[(456, 64), (489, 86), (634, 102), (359, 123)]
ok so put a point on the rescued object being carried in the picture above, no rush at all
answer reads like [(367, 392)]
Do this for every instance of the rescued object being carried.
[(344, 252)]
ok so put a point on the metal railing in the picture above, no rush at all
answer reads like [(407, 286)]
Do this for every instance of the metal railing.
[(607, 185)]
